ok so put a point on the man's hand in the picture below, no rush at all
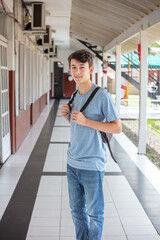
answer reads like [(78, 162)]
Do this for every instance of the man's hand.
[(65, 112), (79, 118)]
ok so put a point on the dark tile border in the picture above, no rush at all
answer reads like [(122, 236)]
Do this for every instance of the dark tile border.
[(148, 196), (15, 221)]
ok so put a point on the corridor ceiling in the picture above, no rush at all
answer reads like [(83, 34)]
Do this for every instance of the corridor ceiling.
[(100, 22)]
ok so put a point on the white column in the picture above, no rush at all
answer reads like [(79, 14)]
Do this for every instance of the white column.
[(143, 93), (11, 42), (105, 80), (99, 82), (118, 77)]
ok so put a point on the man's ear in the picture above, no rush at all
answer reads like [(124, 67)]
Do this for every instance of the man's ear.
[(91, 69), (69, 70)]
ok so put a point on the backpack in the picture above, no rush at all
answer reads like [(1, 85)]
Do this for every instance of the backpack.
[(106, 137)]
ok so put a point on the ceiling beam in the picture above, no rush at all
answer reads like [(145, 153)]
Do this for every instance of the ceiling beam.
[(151, 19), (89, 46)]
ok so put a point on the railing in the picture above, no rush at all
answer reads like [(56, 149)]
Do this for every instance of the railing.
[(132, 72)]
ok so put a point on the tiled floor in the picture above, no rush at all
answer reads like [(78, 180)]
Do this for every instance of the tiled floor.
[(125, 218)]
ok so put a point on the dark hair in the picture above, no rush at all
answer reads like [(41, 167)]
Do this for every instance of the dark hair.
[(81, 56)]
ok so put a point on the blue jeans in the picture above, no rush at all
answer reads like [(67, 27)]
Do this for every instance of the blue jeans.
[(86, 202)]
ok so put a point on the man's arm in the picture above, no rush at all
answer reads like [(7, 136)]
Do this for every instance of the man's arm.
[(108, 127)]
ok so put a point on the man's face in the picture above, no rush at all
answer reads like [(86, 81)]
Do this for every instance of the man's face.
[(80, 71)]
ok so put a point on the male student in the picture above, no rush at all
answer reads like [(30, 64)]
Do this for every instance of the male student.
[(86, 157)]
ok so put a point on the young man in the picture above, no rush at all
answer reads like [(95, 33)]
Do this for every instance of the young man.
[(86, 156)]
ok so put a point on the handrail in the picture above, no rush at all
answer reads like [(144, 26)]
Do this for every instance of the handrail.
[(151, 76), (128, 59)]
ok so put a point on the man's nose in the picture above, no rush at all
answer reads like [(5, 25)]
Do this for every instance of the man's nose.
[(77, 70)]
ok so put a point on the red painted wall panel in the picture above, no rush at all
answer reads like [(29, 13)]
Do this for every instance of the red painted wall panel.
[(37, 107), (43, 102), (12, 110), (35, 111), (69, 86), (22, 126)]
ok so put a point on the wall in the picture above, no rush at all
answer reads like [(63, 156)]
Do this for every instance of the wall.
[(21, 120), (22, 126), (69, 86), (27, 118)]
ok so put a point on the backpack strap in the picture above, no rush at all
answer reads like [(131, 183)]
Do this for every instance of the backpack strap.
[(110, 150), (89, 99), (72, 99)]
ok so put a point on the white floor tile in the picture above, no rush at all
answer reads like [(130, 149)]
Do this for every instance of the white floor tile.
[(113, 231), (131, 212), (60, 121), (60, 134), (43, 232), (46, 213), (127, 221), (67, 232), (45, 222), (67, 222), (67, 238), (66, 213), (151, 237), (53, 166), (140, 230), (112, 237), (42, 238), (112, 221)]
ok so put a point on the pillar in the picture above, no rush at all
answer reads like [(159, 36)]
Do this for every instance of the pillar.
[(118, 77), (143, 94), (99, 82)]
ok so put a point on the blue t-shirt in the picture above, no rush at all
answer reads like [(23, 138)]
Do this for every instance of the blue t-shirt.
[(86, 149)]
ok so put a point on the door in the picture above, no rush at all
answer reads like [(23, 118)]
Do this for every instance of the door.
[(5, 144), (58, 80)]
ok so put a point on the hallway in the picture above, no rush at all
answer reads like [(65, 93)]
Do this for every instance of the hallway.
[(33, 189)]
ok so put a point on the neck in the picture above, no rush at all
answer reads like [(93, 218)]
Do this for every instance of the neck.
[(84, 88)]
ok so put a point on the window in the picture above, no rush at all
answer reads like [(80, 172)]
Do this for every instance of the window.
[(28, 77), (21, 86)]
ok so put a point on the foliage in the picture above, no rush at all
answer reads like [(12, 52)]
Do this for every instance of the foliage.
[(154, 124)]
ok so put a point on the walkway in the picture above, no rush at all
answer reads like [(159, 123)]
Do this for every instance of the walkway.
[(33, 188)]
